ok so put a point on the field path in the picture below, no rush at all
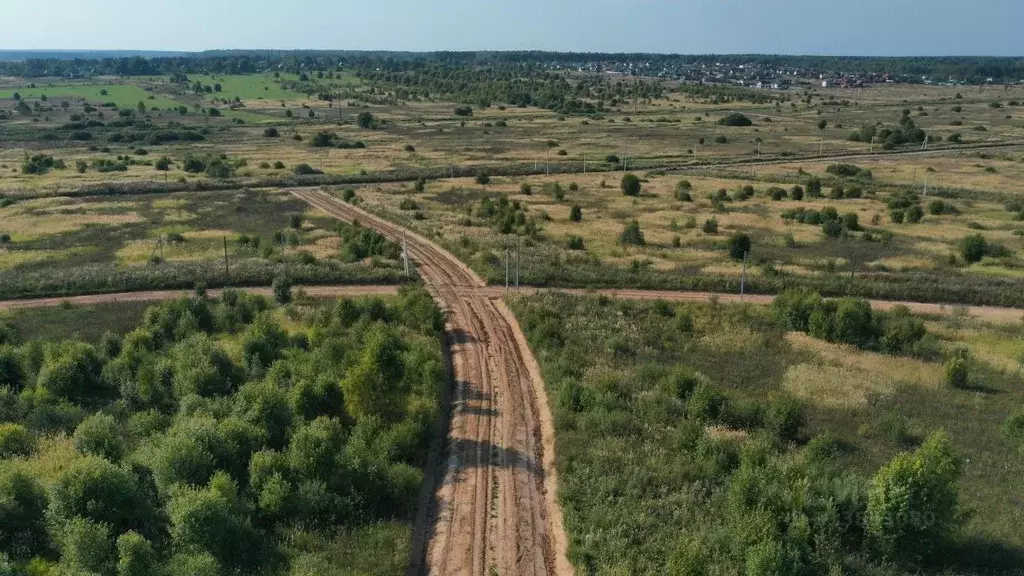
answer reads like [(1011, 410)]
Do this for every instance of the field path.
[(493, 509)]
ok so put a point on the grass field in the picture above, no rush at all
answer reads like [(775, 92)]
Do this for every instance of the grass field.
[(642, 474), (125, 95), (60, 244)]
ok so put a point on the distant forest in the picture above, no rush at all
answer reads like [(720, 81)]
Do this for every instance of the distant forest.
[(129, 63)]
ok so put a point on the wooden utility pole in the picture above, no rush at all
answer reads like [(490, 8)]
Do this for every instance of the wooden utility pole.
[(506, 269), (743, 277), (227, 270)]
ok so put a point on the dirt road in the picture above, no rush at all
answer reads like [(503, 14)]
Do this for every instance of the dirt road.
[(493, 508)]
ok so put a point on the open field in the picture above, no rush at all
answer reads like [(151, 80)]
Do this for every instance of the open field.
[(101, 244), (646, 475), (701, 437)]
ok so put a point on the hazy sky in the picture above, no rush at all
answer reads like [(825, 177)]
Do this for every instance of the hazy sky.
[(850, 27)]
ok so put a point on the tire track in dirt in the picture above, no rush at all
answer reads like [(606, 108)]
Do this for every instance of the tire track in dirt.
[(493, 508)]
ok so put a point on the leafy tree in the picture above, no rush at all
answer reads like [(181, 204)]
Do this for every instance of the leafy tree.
[(374, 386), (22, 514), (282, 288), (973, 248), (735, 119), (263, 342), (785, 417), (632, 235), (317, 450), (105, 493), (100, 435), (85, 546), (914, 214), (739, 246), (271, 132), (630, 185), (365, 120), (207, 520), (15, 440), (576, 213), (136, 556), (202, 367), (957, 370), (913, 500), (190, 453), (483, 178), (814, 188), (822, 124)]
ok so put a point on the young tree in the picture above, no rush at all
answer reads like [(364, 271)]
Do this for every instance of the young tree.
[(136, 556), (365, 120), (632, 235), (282, 288), (22, 514), (576, 213), (913, 500), (630, 185), (374, 386), (973, 248), (100, 435), (739, 246)]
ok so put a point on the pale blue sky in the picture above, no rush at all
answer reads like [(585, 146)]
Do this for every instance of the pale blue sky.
[(850, 27)]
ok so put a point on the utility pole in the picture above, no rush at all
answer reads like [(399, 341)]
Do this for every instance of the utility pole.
[(758, 150), (584, 162), (925, 185), (161, 243), (821, 148), (547, 163), (405, 251), (743, 278), (227, 270), (519, 248), (506, 269)]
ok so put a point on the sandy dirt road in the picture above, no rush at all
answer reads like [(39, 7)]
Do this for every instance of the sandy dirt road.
[(493, 508)]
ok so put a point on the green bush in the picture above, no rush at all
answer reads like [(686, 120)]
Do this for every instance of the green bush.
[(973, 248), (739, 246), (1014, 426), (913, 501), (15, 440), (100, 435), (630, 185), (710, 226), (632, 235), (957, 370), (23, 504), (282, 288), (735, 119)]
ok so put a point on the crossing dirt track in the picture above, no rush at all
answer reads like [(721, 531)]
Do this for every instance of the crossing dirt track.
[(493, 508)]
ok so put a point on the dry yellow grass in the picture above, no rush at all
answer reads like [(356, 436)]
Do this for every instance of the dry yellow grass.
[(843, 376)]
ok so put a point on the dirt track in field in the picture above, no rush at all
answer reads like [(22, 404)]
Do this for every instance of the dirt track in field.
[(493, 507)]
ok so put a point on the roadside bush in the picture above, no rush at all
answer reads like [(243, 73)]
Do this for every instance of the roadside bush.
[(282, 288)]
